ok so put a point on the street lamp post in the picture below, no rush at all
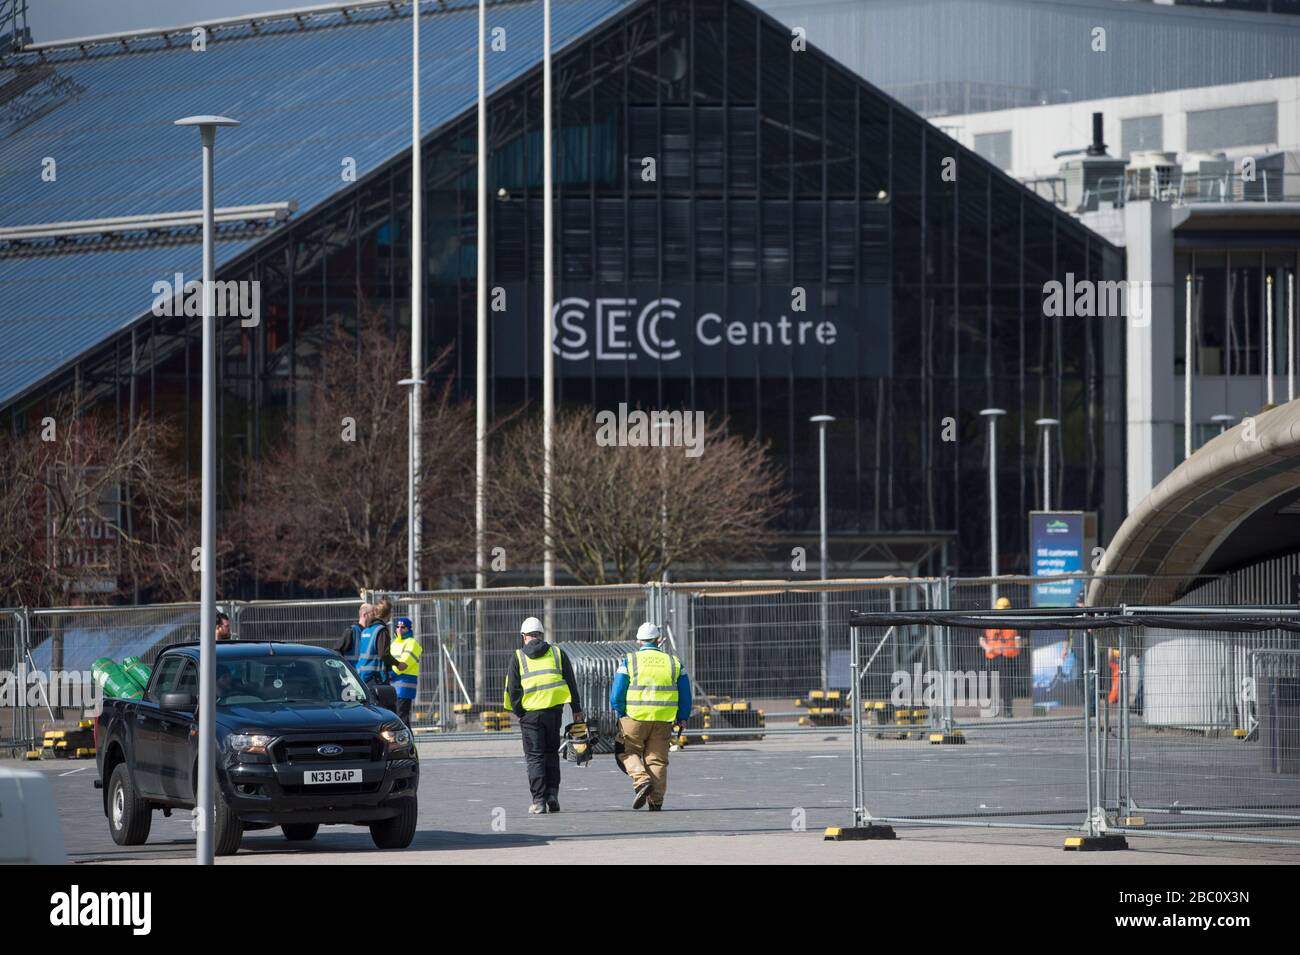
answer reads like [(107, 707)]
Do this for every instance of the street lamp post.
[(1290, 336), (1223, 421), (203, 809), (1046, 424), (1188, 360), (1268, 347), (664, 430), (821, 421), (993, 414)]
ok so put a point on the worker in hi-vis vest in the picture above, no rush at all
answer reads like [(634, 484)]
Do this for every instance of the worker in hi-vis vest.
[(651, 696), (539, 681), (406, 650), (1001, 648)]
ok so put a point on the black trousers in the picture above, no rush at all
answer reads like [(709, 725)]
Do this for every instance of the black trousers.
[(541, 732), (404, 710)]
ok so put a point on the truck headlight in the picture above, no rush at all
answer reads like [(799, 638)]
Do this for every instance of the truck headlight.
[(249, 742), (397, 737)]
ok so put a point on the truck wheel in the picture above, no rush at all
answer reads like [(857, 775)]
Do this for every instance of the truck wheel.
[(396, 833), (300, 831), (129, 816), (229, 830)]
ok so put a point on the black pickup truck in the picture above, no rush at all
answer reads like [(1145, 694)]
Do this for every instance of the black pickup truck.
[(301, 742)]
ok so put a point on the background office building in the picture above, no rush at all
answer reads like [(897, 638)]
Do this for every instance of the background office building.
[(1201, 182), (775, 170)]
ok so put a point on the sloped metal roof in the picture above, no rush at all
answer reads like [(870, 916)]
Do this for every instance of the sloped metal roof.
[(309, 91)]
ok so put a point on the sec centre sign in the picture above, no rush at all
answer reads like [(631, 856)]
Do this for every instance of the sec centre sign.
[(674, 332)]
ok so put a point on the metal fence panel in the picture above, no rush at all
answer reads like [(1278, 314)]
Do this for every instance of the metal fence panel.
[(469, 639), (64, 643), (958, 739), (13, 723), (319, 623), (1207, 732), (774, 644)]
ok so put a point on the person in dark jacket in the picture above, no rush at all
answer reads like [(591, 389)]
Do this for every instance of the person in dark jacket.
[(539, 682), (348, 645)]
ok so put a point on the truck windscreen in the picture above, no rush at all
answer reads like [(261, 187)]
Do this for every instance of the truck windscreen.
[(287, 679)]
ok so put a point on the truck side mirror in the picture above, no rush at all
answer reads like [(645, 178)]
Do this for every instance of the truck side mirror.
[(178, 701), (386, 696)]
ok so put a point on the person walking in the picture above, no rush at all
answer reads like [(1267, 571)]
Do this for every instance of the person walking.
[(539, 682), (406, 651), (651, 696), (223, 626)]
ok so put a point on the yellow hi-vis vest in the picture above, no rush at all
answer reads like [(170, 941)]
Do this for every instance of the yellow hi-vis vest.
[(542, 680), (407, 654), (652, 686)]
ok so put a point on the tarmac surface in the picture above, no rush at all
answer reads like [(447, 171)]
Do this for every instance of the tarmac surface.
[(764, 802)]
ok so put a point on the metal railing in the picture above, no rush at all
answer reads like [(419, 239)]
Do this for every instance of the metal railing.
[(1267, 185)]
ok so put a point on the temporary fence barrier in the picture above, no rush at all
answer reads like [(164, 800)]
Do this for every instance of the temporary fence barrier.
[(320, 623), (469, 638), (1201, 738), (594, 666), (1205, 734), (1181, 722), (14, 687)]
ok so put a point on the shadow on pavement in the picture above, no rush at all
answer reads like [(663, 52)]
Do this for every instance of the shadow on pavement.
[(425, 839)]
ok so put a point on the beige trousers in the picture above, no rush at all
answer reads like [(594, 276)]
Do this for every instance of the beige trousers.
[(645, 754)]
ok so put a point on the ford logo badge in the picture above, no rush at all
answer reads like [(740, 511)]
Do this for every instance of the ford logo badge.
[(329, 749)]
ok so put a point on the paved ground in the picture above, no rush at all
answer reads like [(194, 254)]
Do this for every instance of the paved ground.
[(738, 802)]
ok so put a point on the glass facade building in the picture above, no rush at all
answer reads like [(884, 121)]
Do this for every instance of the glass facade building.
[(743, 227)]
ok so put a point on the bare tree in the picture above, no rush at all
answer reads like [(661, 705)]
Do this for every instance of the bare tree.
[(627, 514), (88, 514), (328, 507)]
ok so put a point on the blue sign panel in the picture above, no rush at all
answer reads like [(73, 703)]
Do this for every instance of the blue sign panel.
[(1055, 548)]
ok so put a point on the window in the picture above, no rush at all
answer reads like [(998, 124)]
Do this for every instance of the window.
[(188, 681), (1138, 133), (166, 676), (1254, 125), (995, 147)]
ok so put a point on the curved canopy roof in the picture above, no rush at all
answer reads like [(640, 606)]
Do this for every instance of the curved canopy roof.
[(1234, 502)]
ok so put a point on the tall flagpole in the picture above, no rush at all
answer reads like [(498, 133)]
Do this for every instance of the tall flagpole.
[(480, 350), (548, 305), (417, 319)]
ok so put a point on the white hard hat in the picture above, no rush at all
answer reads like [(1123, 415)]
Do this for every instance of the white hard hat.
[(532, 625), (647, 633)]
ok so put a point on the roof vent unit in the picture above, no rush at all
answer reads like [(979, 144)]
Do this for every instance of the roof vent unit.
[(1206, 175), (1152, 174), (1091, 176)]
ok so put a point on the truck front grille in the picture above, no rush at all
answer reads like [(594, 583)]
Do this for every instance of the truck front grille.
[(305, 750)]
